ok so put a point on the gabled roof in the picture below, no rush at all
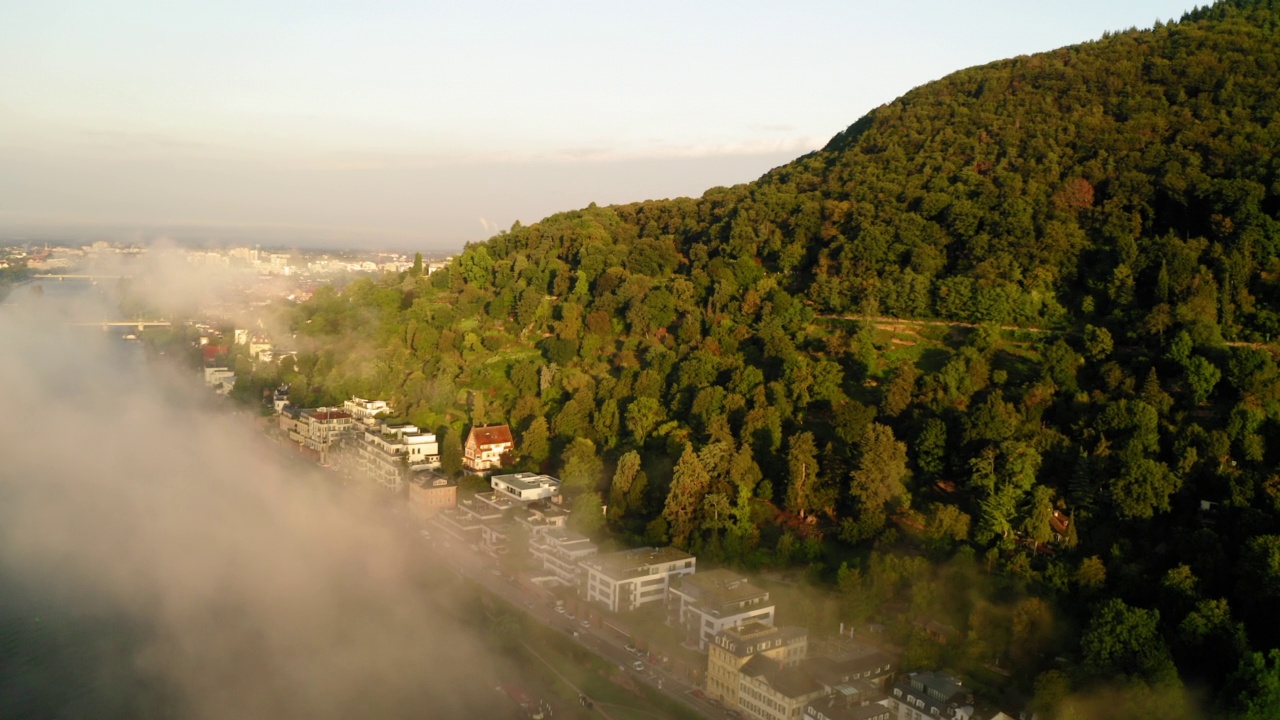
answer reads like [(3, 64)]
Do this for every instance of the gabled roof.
[(491, 435)]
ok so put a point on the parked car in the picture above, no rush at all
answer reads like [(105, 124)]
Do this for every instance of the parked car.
[(586, 623), (631, 648), (639, 666)]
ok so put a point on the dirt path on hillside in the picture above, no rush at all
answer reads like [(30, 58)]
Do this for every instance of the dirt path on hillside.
[(907, 326)]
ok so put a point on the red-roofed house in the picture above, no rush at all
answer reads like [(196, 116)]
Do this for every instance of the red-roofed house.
[(488, 447)]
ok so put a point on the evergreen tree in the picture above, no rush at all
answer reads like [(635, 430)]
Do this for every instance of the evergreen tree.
[(689, 485)]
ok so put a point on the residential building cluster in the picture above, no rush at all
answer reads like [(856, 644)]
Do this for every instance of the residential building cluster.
[(754, 668)]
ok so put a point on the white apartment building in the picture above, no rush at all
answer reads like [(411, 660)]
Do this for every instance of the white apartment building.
[(388, 452), (526, 486), (706, 603), (365, 411), (623, 581), (559, 552)]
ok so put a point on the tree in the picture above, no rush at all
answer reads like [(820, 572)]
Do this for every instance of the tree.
[(901, 389), (1125, 641), (1143, 487), (416, 270), (1202, 376), (535, 445), (946, 525), (605, 422), (1092, 573), (620, 488), (643, 415), (1210, 642), (451, 453), (1051, 689), (689, 484), (1036, 527), (743, 470), (1097, 342), (931, 447), (581, 466), (587, 516), (803, 494), (882, 469), (1254, 688), (1032, 631)]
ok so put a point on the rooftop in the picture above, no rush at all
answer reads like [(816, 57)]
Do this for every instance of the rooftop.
[(836, 707), (790, 682), (636, 561), (719, 587), (429, 480), (525, 481), (326, 414), (852, 662), (749, 638), (491, 435), (934, 685)]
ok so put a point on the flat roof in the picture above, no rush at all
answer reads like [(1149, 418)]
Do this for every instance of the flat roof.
[(719, 587), (525, 480), (625, 563)]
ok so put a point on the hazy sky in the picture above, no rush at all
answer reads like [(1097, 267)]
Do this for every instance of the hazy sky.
[(426, 125)]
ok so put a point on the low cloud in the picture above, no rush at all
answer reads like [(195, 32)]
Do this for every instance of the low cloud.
[(161, 558)]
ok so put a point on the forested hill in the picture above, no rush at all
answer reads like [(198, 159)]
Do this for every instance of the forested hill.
[(1090, 501), (1129, 180)]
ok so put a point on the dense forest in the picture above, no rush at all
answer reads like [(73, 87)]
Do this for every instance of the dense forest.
[(993, 366)]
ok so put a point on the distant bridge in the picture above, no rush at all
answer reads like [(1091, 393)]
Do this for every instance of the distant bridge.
[(72, 276), (140, 324)]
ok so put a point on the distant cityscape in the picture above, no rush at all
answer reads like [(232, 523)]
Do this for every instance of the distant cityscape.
[(51, 258)]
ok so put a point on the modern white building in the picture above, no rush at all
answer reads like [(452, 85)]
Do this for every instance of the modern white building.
[(559, 553), (365, 411), (519, 499), (706, 603), (386, 453), (221, 379), (525, 486), (625, 580)]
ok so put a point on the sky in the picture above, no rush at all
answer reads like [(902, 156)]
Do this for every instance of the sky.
[(425, 125)]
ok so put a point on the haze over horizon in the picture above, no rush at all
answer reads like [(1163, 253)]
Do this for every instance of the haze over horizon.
[(427, 127)]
